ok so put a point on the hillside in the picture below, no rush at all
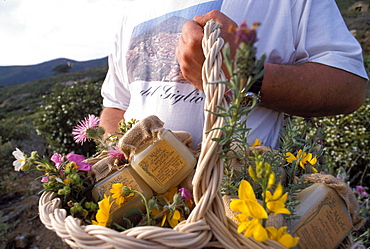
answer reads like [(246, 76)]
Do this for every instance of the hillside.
[(22, 99), (12, 75)]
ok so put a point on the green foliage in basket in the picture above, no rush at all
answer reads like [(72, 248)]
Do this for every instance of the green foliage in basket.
[(252, 214), (245, 70)]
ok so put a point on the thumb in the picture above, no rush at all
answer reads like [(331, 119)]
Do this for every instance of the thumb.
[(201, 19)]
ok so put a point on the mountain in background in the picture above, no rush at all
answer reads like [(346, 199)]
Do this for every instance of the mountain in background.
[(12, 75)]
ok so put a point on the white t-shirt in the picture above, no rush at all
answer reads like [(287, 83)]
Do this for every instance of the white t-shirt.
[(144, 77)]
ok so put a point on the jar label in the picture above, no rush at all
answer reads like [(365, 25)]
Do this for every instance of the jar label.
[(162, 163), (124, 176), (324, 226)]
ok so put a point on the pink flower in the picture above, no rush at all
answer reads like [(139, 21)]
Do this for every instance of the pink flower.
[(185, 193), (44, 179), (359, 189), (80, 131), (78, 159), (116, 153), (57, 159), (362, 191), (244, 34)]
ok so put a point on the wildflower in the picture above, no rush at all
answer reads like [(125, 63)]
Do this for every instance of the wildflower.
[(170, 213), (244, 34), (256, 142), (282, 236), (300, 155), (80, 131), (253, 228), (57, 159), (78, 159), (251, 212), (362, 191), (58, 179), (271, 179), (45, 179), (276, 201), (173, 218), (185, 193), (103, 216), (21, 159), (309, 160), (303, 158), (116, 153), (120, 192), (247, 202)]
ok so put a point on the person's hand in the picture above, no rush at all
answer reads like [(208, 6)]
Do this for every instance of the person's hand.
[(189, 51)]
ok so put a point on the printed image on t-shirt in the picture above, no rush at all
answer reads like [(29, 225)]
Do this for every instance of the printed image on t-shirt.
[(151, 54)]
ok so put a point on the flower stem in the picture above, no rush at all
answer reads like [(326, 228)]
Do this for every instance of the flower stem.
[(148, 222)]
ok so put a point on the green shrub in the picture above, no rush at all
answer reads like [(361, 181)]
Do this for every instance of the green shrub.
[(14, 128), (62, 111), (347, 143)]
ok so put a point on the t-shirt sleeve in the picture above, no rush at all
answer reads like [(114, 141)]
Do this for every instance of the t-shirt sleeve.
[(115, 90), (324, 38)]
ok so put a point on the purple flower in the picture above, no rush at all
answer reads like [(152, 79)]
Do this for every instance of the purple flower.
[(362, 191), (57, 159), (116, 153), (80, 131), (244, 34), (78, 159), (359, 189), (44, 179), (185, 193)]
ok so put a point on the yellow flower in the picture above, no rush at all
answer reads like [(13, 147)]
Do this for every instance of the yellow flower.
[(172, 218), (247, 203), (251, 212), (300, 155), (271, 180), (252, 173), (253, 228), (120, 192), (276, 202), (72, 165), (103, 217), (256, 142), (303, 158), (309, 160), (170, 194), (282, 236)]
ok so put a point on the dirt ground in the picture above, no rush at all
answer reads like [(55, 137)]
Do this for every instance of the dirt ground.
[(20, 226)]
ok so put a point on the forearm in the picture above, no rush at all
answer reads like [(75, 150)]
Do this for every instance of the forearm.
[(311, 89), (109, 119)]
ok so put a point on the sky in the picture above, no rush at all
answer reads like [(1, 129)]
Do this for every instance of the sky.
[(35, 31)]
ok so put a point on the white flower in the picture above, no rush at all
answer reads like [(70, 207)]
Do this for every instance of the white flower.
[(59, 180), (21, 159)]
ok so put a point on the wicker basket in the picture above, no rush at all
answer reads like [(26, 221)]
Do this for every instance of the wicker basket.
[(207, 225)]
